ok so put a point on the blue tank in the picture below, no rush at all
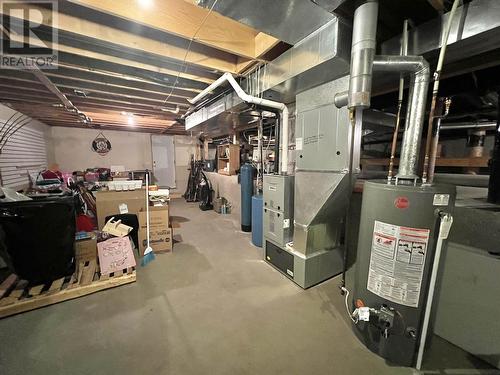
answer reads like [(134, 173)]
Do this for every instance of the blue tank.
[(246, 197), (257, 207)]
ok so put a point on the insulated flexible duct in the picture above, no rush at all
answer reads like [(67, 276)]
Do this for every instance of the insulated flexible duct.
[(415, 112)]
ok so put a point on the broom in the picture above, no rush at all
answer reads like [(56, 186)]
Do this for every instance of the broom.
[(148, 256)]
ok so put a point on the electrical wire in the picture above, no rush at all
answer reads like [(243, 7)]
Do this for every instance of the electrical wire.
[(184, 65), (355, 321)]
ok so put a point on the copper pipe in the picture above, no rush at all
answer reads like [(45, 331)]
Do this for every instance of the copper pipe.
[(443, 109), (394, 143), (429, 137), (434, 150), (435, 90)]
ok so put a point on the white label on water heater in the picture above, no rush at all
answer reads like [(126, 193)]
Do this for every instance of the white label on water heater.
[(397, 262), (441, 199), (286, 223)]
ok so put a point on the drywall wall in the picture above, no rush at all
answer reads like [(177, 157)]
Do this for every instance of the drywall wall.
[(185, 146), (28, 149), (73, 149), (227, 187)]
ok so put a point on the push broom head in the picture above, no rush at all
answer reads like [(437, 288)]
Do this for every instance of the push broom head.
[(148, 256)]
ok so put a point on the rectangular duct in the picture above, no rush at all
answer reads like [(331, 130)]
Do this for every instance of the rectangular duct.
[(320, 57), (287, 20), (473, 31)]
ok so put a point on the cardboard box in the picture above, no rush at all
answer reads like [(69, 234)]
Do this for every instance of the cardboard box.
[(109, 203), (160, 239), (86, 249), (158, 218), (115, 254)]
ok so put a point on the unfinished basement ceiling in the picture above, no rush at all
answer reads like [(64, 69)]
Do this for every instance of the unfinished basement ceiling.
[(131, 64)]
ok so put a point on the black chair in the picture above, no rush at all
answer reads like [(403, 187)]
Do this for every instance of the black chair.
[(130, 220)]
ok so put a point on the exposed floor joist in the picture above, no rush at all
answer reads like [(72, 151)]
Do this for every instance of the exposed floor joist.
[(183, 19), (115, 58)]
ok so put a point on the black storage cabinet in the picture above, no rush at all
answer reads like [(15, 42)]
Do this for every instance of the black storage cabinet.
[(40, 237)]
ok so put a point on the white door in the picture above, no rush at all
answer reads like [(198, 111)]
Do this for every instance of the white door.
[(163, 150)]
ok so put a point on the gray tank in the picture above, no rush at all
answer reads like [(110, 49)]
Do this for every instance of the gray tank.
[(396, 246)]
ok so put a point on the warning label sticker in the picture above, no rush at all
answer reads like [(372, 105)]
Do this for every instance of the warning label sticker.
[(397, 262)]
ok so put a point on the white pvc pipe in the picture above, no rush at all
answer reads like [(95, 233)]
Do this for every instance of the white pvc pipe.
[(444, 229), (444, 44), (227, 77)]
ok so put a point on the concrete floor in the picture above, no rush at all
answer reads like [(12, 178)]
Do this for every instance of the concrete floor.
[(211, 307)]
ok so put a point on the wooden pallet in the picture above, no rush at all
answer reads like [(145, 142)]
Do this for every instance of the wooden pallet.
[(17, 297)]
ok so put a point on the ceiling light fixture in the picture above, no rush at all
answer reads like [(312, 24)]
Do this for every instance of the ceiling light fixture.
[(146, 3)]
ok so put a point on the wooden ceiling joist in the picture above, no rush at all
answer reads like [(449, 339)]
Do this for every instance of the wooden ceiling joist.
[(31, 103), (128, 66), (78, 56), (59, 78), (184, 19), (150, 43)]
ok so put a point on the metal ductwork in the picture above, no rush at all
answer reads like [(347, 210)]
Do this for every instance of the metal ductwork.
[(473, 32), (253, 100), (364, 40), (415, 112), (363, 61), (320, 57), (287, 20)]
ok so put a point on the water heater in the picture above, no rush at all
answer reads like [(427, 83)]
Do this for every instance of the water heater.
[(397, 241)]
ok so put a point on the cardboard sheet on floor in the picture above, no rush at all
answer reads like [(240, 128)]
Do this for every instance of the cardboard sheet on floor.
[(86, 249), (115, 254)]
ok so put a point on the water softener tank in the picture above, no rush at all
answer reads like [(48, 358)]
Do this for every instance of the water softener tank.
[(246, 197), (397, 241), (257, 212)]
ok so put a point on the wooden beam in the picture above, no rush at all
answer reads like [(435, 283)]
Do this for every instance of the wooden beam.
[(90, 89), (106, 35), (112, 97), (440, 162), (264, 43), (108, 58), (245, 64), (10, 94), (40, 105), (183, 19), (108, 79)]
